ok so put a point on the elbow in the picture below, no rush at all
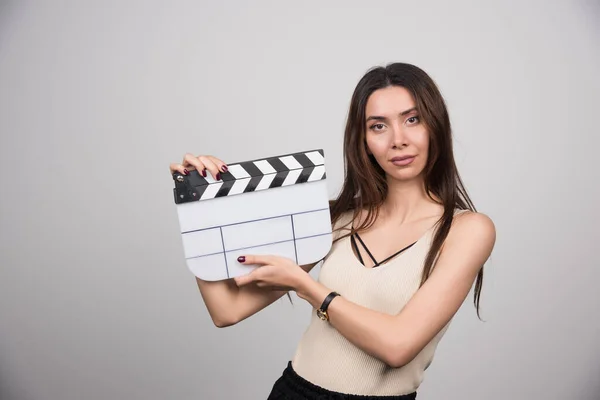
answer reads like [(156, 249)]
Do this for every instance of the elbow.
[(398, 355), (394, 361), (223, 322), (397, 360)]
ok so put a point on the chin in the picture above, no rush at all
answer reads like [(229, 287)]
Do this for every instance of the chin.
[(406, 176)]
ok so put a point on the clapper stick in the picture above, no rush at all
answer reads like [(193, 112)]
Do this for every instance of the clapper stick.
[(272, 206)]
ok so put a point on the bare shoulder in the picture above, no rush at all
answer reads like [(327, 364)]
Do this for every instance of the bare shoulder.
[(473, 230), (473, 223)]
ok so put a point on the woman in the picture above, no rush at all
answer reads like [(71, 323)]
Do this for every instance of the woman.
[(380, 305)]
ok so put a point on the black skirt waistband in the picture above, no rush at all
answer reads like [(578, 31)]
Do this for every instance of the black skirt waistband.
[(291, 386)]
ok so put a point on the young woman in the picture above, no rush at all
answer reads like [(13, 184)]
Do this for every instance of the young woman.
[(408, 246)]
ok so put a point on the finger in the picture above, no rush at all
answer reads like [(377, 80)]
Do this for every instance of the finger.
[(244, 279), (255, 259), (178, 168), (210, 166), (189, 160), (274, 288), (221, 166)]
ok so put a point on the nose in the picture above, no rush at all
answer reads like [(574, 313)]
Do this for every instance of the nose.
[(398, 137)]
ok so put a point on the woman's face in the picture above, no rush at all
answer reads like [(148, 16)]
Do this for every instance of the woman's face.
[(394, 131)]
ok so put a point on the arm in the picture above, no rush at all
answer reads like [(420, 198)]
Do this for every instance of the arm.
[(229, 304), (397, 339)]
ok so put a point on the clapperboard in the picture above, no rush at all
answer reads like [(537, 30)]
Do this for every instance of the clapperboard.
[(272, 206)]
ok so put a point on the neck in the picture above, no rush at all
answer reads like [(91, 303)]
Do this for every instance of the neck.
[(406, 200)]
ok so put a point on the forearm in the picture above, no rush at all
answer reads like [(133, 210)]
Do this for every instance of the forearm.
[(371, 331), (219, 298), (227, 304)]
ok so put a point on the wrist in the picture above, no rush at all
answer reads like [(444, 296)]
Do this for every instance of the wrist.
[(312, 291), (303, 285)]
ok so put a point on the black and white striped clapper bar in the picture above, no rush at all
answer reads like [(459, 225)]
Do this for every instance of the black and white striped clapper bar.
[(275, 206)]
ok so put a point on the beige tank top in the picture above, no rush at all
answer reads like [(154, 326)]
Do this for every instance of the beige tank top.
[(327, 359)]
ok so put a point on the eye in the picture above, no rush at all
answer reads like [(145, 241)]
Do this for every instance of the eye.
[(413, 120), (377, 127)]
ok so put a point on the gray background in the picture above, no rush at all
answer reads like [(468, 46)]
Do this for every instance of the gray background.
[(98, 97)]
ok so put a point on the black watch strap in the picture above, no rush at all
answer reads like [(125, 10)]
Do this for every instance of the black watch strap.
[(322, 311)]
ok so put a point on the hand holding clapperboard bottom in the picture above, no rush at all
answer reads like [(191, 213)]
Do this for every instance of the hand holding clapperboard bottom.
[(276, 207)]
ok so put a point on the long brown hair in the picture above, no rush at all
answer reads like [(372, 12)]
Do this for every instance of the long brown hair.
[(365, 182)]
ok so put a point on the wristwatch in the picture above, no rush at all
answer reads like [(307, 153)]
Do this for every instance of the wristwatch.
[(322, 311)]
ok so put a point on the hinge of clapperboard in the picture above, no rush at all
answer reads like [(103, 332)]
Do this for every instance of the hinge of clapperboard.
[(184, 192), (190, 187)]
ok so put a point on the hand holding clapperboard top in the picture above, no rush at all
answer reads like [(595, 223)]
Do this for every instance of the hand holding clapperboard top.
[(273, 206)]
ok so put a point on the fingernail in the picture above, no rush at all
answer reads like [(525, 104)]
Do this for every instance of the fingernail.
[(204, 172), (241, 259), (224, 168), (185, 171), (218, 176)]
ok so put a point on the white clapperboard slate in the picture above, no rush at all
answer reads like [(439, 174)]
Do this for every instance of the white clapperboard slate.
[(272, 206)]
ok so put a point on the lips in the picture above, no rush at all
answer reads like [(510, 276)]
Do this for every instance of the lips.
[(402, 158)]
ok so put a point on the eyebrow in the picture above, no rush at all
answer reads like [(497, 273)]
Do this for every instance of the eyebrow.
[(379, 118)]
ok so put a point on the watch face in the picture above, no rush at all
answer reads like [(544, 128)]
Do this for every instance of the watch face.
[(322, 315)]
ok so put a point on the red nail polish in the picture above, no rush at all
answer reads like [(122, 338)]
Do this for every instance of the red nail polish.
[(204, 172), (185, 171), (218, 176), (224, 168), (241, 259)]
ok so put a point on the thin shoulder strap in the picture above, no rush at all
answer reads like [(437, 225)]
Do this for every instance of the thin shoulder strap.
[(366, 249), (356, 248), (398, 252)]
